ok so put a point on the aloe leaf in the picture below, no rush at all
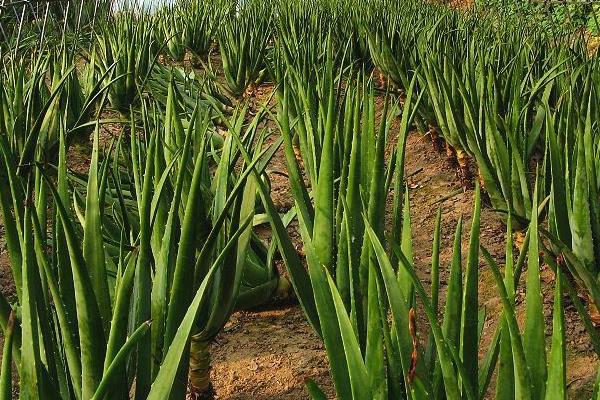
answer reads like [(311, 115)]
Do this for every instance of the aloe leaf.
[(142, 278), (64, 272), (406, 246), (405, 125), (91, 332), (374, 353), (93, 248), (469, 346), (451, 323), (7, 360), (118, 325), (592, 177), (581, 229), (559, 200), (164, 263), (579, 306), (329, 328), (489, 362), (447, 354), (68, 331), (183, 273), (576, 267), (435, 289), (322, 235), (522, 380), (314, 391), (505, 384), (534, 335), (229, 280), (557, 378), (111, 374), (448, 372), (357, 371)]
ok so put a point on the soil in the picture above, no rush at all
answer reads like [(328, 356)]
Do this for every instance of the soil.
[(270, 353)]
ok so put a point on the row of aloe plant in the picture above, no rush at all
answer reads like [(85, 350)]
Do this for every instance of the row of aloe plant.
[(361, 289), (502, 87), (506, 97), (24, 25), (509, 100), (124, 275)]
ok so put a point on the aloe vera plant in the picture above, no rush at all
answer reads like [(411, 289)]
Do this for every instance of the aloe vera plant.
[(359, 369), (339, 142), (505, 106), (39, 100), (243, 40), (172, 32), (121, 268), (123, 54), (192, 89), (201, 24)]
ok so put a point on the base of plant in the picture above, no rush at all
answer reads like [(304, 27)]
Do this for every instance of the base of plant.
[(284, 289), (208, 394), (199, 375)]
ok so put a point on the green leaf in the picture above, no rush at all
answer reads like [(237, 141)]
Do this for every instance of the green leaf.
[(557, 372), (505, 383), (115, 368), (323, 230), (398, 306), (164, 263), (533, 334), (374, 354), (118, 326), (93, 245), (91, 333), (446, 353), (357, 371), (522, 379), (581, 229), (314, 391), (451, 323), (183, 274), (469, 342), (142, 279), (406, 246), (6, 371)]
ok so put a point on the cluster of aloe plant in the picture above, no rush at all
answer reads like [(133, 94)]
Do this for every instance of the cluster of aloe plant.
[(24, 25), (361, 288), (125, 274), (189, 25), (123, 55), (243, 40), (151, 233), (508, 107)]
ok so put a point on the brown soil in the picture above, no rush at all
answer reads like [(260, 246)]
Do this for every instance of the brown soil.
[(268, 355)]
